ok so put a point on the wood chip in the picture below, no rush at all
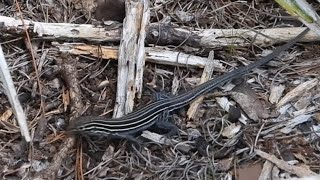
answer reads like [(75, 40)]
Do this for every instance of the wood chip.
[(206, 75), (294, 122), (276, 93), (297, 92), (266, 171)]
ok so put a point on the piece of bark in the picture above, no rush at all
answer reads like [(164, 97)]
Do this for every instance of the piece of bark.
[(206, 38)]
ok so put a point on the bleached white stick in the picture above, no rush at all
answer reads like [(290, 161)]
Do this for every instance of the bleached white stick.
[(13, 97)]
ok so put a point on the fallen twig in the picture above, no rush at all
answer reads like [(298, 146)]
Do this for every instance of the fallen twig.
[(300, 171), (158, 33)]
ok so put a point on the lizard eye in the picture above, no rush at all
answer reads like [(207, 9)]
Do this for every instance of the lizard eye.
[(80, 128)]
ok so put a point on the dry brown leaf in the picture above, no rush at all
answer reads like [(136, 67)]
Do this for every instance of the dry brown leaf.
[(249, 102)]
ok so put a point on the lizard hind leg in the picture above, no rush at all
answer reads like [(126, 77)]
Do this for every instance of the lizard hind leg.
[(164, 123), (130, 139)]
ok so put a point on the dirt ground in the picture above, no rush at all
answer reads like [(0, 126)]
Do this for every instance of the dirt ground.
[(212, 145)]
